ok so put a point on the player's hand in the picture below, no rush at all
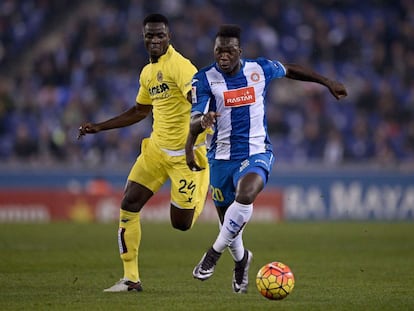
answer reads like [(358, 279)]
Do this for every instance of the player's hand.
[(192, 164), (87, 128), (208, 119), (337, 89), (194, 167)]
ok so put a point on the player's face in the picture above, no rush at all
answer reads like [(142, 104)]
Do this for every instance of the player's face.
[(227, 54), (156, 39)]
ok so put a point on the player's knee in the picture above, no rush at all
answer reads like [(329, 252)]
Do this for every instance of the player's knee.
[(247, 195), (181, 219), (245, 198), (129, 205)]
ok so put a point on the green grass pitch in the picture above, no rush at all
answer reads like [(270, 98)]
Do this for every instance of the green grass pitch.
[(337, 266)]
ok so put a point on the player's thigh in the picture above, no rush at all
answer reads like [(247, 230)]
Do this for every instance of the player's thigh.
[(201, 178), (186, 185), (221, 181), (149, 170), (189, 190), (260, 164)]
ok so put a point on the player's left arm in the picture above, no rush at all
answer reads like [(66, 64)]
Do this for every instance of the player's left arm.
[(298, 72)]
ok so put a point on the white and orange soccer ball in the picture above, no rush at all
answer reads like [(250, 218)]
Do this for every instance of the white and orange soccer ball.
[(275, 281)]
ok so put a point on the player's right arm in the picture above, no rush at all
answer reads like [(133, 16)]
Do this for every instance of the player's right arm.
[(201, 118), (129, 117), (195, 129), (198, 124)]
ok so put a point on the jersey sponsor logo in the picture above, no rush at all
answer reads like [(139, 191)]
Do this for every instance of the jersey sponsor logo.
[(239, 97), (158, 89)]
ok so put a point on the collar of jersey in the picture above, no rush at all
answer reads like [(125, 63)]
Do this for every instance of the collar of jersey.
[(223, 73), (166, 55)]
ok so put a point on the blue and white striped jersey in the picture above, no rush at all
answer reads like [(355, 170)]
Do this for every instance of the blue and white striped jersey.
[(241, 130)]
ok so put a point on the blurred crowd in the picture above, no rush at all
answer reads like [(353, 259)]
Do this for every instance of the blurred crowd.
[(66, 62)]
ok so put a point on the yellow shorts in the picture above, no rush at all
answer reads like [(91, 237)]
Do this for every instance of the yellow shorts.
[(155, 166)]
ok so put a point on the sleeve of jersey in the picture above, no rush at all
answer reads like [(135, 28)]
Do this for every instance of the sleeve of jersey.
[(143, 96), (200, 94), (273, 69), (185, 72), (279, 71)]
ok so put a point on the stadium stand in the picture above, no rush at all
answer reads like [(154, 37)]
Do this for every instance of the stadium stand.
[(64, 62)]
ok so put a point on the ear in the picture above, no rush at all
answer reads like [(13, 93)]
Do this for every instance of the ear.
[(169, 33)]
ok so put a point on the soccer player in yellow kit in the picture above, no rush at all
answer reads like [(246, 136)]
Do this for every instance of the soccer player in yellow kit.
[(165, 85)]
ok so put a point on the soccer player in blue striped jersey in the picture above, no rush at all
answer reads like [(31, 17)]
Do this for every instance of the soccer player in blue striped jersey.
[(230, 96)]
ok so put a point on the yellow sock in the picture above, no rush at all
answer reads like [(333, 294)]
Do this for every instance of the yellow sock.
[(129, 239)]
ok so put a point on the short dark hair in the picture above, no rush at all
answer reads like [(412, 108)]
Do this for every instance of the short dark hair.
[(155, 18), (229, 31)]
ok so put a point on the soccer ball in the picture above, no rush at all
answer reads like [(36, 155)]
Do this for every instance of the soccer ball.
[(275, 281)]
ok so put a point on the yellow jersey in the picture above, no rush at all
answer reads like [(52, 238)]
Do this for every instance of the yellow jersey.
[(165, 85)]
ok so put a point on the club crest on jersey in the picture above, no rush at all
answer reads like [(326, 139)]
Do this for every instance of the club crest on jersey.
[(159, 76), (255, 77), (240, 97)]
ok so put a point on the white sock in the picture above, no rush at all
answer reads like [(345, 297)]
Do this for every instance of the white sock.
[(236, 217), (236, 248)]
